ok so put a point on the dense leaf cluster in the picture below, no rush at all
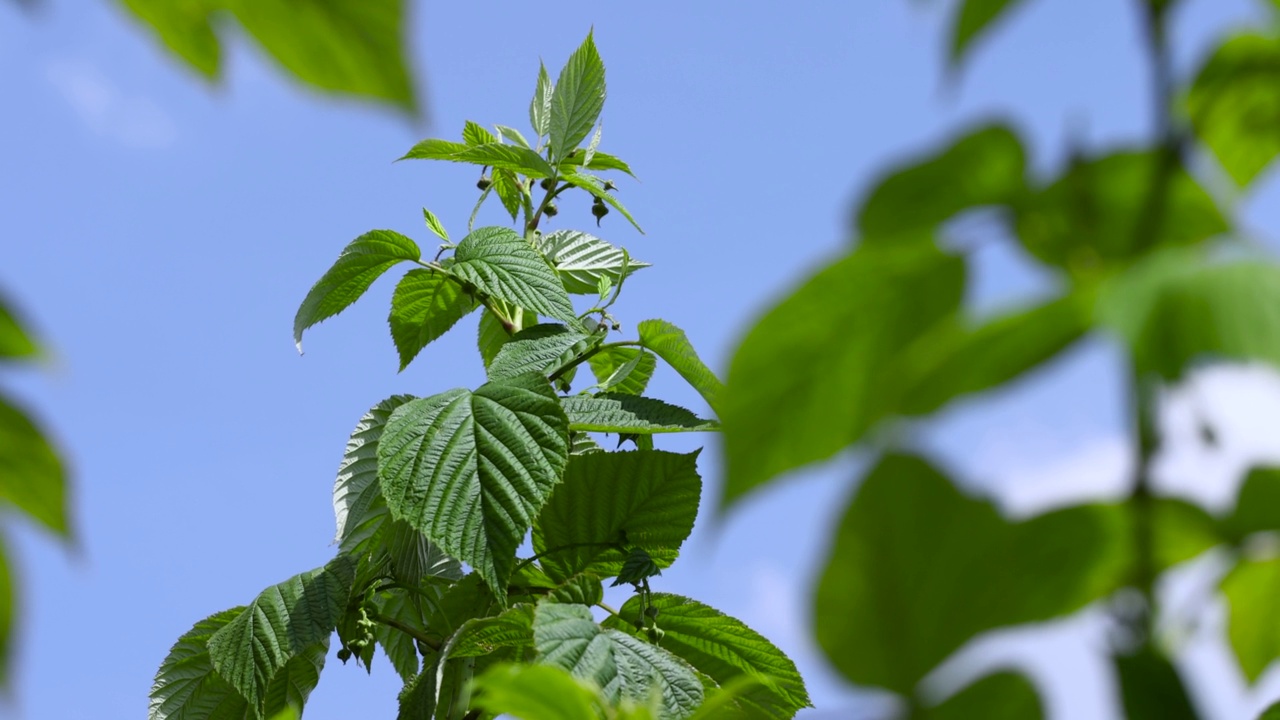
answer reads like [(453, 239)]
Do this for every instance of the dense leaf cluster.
[(435, 495)]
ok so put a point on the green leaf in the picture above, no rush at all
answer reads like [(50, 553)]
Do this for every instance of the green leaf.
[(14, 340), (1271, 713), (187, 687), (361, 262), (280, 624), (582, 589), (918, 569), (507, 186), (583, 259), (622, 666), (1253, 623), (638, 567), (1097, 214), (501, 264), (954, 360), (514, 135), (434, 225), (620, 413), (815, 373), (540, 106), (1150, 687), (535, 692), (1257, 505), (671, 344), (984, 167), (972, 20), (595, 186), (349, 46), (1002, 696), (400, 648), (186, 29), (470, 470), (1234, 105), (512, 628), (724, 649), (624, 370), (32, 478), (598, 161), (475, 134), (506, 157), (578, 99), (493, 334), (645, 499), (1197, 314), (1182, 531), (425, 305), (541, 349), (435, 149), (8, 614), (357, 497)]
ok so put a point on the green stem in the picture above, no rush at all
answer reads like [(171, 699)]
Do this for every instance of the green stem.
[(409, 630), (589, 354)]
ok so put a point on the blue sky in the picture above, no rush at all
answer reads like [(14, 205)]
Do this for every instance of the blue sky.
[(160, 233)]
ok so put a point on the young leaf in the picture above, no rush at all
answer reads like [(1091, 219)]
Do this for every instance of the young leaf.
[(507, 187), (513, 628), (14, 340), (434, 225), (540, 106), (541, 349), (918, 569), (470, 470), (638, 567), (623, 370), (425, 305), (986, 166), (972, 20), (599, 161), (1253, 626), (361, 262), (620, 413), (724, 649), (643, 499), (1091, 218), (534, 692), (578, 99), (506, 157), (512, 134), (622, 666), (811, 376), (32, 478), (280, 624), (434, 149), (671, 344), (1001, 696), (1233, 102), (590, 153), (584, 260), (490, 336), (474, 134), (501, 264), (595, 186)]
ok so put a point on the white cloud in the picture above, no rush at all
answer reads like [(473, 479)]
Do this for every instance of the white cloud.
[(134, 121)]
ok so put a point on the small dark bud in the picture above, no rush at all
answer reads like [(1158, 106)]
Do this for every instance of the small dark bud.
[(484, 182), (608, 185), (656, 634), (547, 183), (651, 612), (344, 655), (551, 210), (599, 210)]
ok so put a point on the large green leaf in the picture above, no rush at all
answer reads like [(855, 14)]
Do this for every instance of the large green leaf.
[(621, 413), (282, 623), (349, 46), (583, 259), (984, 167), (187, 687), (1253, 618), (918, 568), (425, 305), (507, 157), (1150, 687), (470, 470), (1098, 214), (540, 349), (1257, 505), (1234, 105), (625, 370), (578, 99), (501, 264), (671, 344), (611, 501), (361, 514), (185, 27), (434, 149), (14, 340), (724, 649), (973, 19), (535, 692), (361, 262), (32, 478), (621, 665), (955, 360), (818, 370), (1002, 696), (1195, 313)]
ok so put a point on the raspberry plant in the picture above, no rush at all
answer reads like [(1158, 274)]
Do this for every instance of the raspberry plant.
[(435, 495)]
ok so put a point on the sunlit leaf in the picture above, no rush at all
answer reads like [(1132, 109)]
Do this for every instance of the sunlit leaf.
[(540, 106), (425, 305), (621, 413), (470, 470), (1234, 105), (535, 692), (501, 264), (1002, 696), (625, 370), (645, 499), (578, 99), (32, 478), (671, 344), (583, 259), (918, 569), (540, 349)]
